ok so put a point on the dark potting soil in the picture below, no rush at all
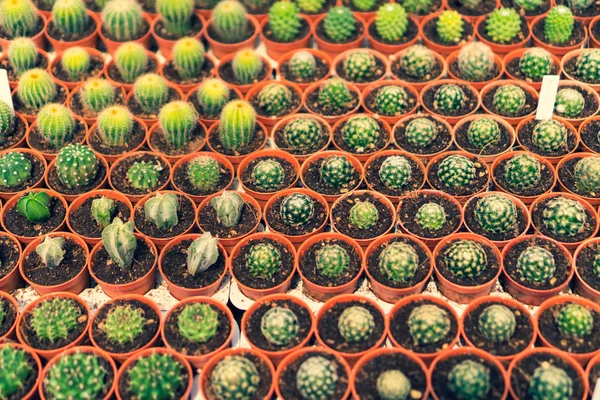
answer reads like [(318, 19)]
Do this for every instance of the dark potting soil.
[(73, 262), (10, 315), (124, 382), (29, 382), (188, 348), (529, 107), (541, 9), (172, 75), (439, 377), (239, 270), (420, 274), (577, 37), (282, 144), (524, 31), (43, 5), (381, 142), (321, 69), (37, 173), (313, 180), (488, 273), (210, 31), (469, 105), (209, 222), (358, 31), (312, 102), (518, 342), (31, 339), (398, 71), (39, 26), (340, 216), (108, 271), (137, 110), (264, 384), (254, 332), (186, 216), (504, 142), (15, 134), (274, 220), (591, 103), (226, 73), (193, 98), (119, 174), (289, 174), (95, 69), (294, 104), (330, 334), (523, 372), (42, 63), (151, 324), (20, 226), (571, 344), (475, 226), (480, 181), (182, 181), (287, 378), (55, 183), (39, 143), (113, 72), (380, 70), (495, 72), (400, 333), (589, 135), (143, 32), (257, 142), (512, 67), (302, 32), (21, 108), (544, 185), (430, 31), (159, 142), (588, 228), (78, 108), (585, 265), (566, 174), (9, 256), (174, 266), (308, 264), (410, 205), (484, 7), (412, 30), (138, 135), (417, 177), (162, 32), (83, 224), (442, 140), (563, 265), (328, 4), (369, 102)]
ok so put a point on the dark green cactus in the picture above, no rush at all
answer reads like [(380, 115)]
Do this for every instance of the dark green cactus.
[(274, 99), (496, 213), (558, 25), (35, 206), (76, 166), (587, 66), (155, 376), (535, 63), (483, 132), (550, 382), (15, 370), (334, 94), (497, 323), (359, 66), (144, 175), (550, 135), (123, 324), (15, 169), (536, 264), (303, 133), (76, 376), (465, 259), (395, 172), (392, 100), (360, 133), (198, 322), (297, 209), (449, 98), (263, 260), (586, 175), (332, 260), (428, 324), (339, 24), (204, 173), (469, 380), (336, 171), (456, 171), (522, 171), (509, 100), (398, 262), (303, 65), (268, 175), (574, 320), (564, 217), (421, 132), (569, 102), (417, 61)]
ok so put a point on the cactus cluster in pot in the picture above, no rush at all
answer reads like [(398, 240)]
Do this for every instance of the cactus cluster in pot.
[(431, 216), (497, 323), (15, 372), (392, 100), (263, 260), (77, 375), (297, 209), (509, 100), (536, 265), (496, 213), (449, 98), (360, 133), (54, 319), (203, 173), (274, 99), (465, 259), (456, 171), (303, 133), (124, 324), (535, 63), (574, 321), (586, 174), (268, 175), (115, 126), (522, 171), (469, 379), (550, 381), (228, 206)]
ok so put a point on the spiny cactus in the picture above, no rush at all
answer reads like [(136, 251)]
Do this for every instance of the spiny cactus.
[(156, 376), (274, 99), (18, 18), (247, 66), (297, 209), (131, 60), (449, 98), (51, 251), (580, 5), (339, 24), (393, 385), (550, 382), (188, 57), (336, 171), (391, 22), (496, 213), (421, 132), (151, 92), (465, 259), (303, 133), (6, 121), (54, 319), (392, 100), (574, 320), (456, 171), (69, 17), (483, 132), (15, 169), (229, 21), (279, 326), (419, 7), (55, 124), (558, 25), (285, 21), (334, 94), (564, 217), (76, 376), (428, 324), (268, 175), (317, 378), (522, 171), (22, 55), (449, 26), (395, 172), (76, 166), (176, 15), (36, 88), (198, 322), (311, 6), (431, 216), (569, 102), (503, 25), (228, 206), (596, 265), (476, 61), (302, 65), (550, 135), (332, 260), (144, 175), (123, 20), (102, 210), (204, 173), (15, 370), (235, 377), (360, 66), (535, 63), (96, 94), (162, 210), (497, 323), (202, 253), (536, 264), (237, 125), (120, 243), (212, 96), (360, 133), (364, 5), (363, 215), (356, 324), (586, 174), (115, 125), (35, 206), (398, 262), (123, 324), (417, 61), (469, 380), (529, 5), (178, 119), (587, 65), (509, 100)]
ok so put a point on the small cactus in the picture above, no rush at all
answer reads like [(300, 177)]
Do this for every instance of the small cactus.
[(536, 264), (303, 133), (237, 125), (360, 133), (363, 215), (428, 324), (297, 209), (131, 60), (188, 57), (123, 324), (476, 61), (339, 24), (395, 172), (274, 99), (54, 319), (311, 6), (202, 253), (496, 213), (469, 380), (162, 210), (76, 166), (268, 175), (120, 243), (336, 171), (96, 94), (558, 25), (503, 25), (198, 322), (18, 18), (391, 22), (431, 216), (587, 65), (465, 259), (36, 88), (247, 66), (586, 174), (522, 171), (334, 95), (392, 100), (230, 21), (332, 260), (55, 124), (580, 5), (155, 376), (15, 370), (176, 15), (360, 66), (356, 324), (178, 119), (393, 385), (234, 377), (123, 20), (212, 96), (535, 63), (204, 173), (550, 382), (450, 26), (35, 206), (418, 7), (574, 320), (497, 323), (449, 98), (285, 21), (564, 217), (51, 251), (483, 132), (456, 171), (279, 326), (115, 126), (151, 92), (144, 175), (70, 17), (15, 169), (569, 102), (398, 262), (509, 100), (302, 65), (22, 55), (317, 378), (76, 376), (421, 132), (102, 210), (364, 5), (228, 206), (417, 61), (529, 5)]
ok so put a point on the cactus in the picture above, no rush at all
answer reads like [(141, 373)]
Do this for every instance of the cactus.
[(536, 264), (204, 173), (529, 5), (332, 260), (476, 61), (391, 22), (550, 135), (120, 243), (274, 99), (395, 172), (198, 322), (76, 166), (15, 169), (36, 88), (363, 215), (176, 15), (587, 65), (483, 132), (421, 132), (497, 323), (449, 98), (311, 6), (285, 21), (178, 119), (465, 259), (428, 324), (96, 94), (123, 324), (131, 60), (317, 378), (35, 206), (392, 100), (162, 210), (418, 7), (339, 24), (202, 253), (393, 385), (247, 66), (431, 216), (55, 124), (356, 324), (115, 126), (279, 326), (522, 171), (364, 5), (144, 175), (51, 251), (268, 175), (70, 17), (76, 376), (303, 133), (336, 171), (449, 26), (212, 96), (22, 55), (535, 63), (496, 213), (229, 21), (15, 370), (509, 100), (550, 382), (456, 171), (569, 102), (580, 5), (234, 377), (558, 25), (417, 61), (237, 125), (360, 66), (564, 217), (503, 25), (586, 174), (360, 133), (334, 94), (297, 209), (188, 57), (596, 265), (228, 206), (151, 92), (156, 376), (54, 319), (398, 262), (469, 380), (574, 320), (102, 211), (18, 18), (302, 65), (123, 20)]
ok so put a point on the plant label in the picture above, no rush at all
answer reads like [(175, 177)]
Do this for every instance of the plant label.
[(5, 92), (545, 107)]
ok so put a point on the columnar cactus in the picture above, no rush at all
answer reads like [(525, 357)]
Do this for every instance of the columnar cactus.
[(55, 124), (356, 324), (483, 132), (76, 166), (178, 119), (69, 16), (228, 206), (550, 382), (212, 96), (51, 251), (450, 26), (550, 135), (204, 173), (123, 324), (360, 133), (449, 98), (336, 171), (564, 217), (35, 206), (131, 59), (496, 213), (115, 125), (274, 99), (237, 125), (144, 175), (334, 94), (123, 20), (22, 55), (339, 24), (36, 88), (497, 323), (303, 133), (285, 21), (503, 25), (393, 385), (363, 215), (15, 169), (188, 57), (575, 320), (359, 66), (54, 319), (465, 259), (398, 262), (469, 380), (297, 209), (428, 324), (176, 15), (586, 174), (456, 171), (535, 63), (536, 264), (431, 216), (247, 66), (421, 132), (279, 326), (558, 25), (523, 171), (202, 253), (15, 370), (302, 65), (569, 102), (18, 18), (588, 65), (509, 100), (395, 172), (268, 175), (229, 21), (162, 210), (332, 260), (96, 94), (102, 210), (77, 376), (198, 322), (391, 22), (235, 377), (391, 100), (120, 243), (151, 92), (317, 378), (156, 376), (476, 61), (417, 61)]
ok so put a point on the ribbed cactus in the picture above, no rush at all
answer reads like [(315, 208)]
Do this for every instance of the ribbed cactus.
[(586, 175), (18, 18), (35, 206), (528, 5), (285, 21), (22, 55), (198, 322), (496, 213), (229, 21), (54, 319), (247, 66), (587, 65), (297, 209), (398, 262), (465, 259), (336, 171), (202, 253), (469, 380), (123, 20), (363, 215), (311, 6), (131, 59), (279, 326), (144, 175), (235, 377), (421, 132), (503, 25), (360, 133), (497, 323), (228, 206), (69, 16), (536, 264), (569, 102), (550, 135), (155, 376), (302, 65), (364, 5), (456, 171), (151, 92), (356, 324), (419, 7), (274, 99), (395, 172), (268, 175), (124, 324), (55, 124), (120, 243), (428, 324), (339, 24), (449, 98), (15, 371), (36, 88), (76, 165), (303, 133), (564, 217), (509, 100), (483, 132), (317, 378), (558, 25), (15, 169), (176, 15), (575, 321), (96, 94), (334, 94), (102, 210), (212, 96), (393, 385), (332, 260), (162, 210), (204, 173), (431, 216), (417, 61), (51, 251), (188, 57), (360, 66), (392, 100), (237, 125), (550, 382), (178, 120), (535, 63), (449, 26), (522, 171), (76, 376), (115, 125), (580, 5), (476, 61), (391, 22)]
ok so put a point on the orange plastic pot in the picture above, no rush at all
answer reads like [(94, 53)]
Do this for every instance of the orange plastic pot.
[(362, 157), (165, 45), (477, 85), (425, 158), (332, 48), (276, 49), (193, 92), (452, 120), (498, 48), (113, 45), (89, 41), (282, 123), (32, 118), (10, 333), (41, 54), (594, 40), (186, 87), (271, 121), (154, 130), (392, 153), (150, 120), (140, 286), (585, 88), (128, 87), (386, 48), (112, 158), (397, 58), (491, 157), (235, 160), (316, 53), (76, 92), (517, 54), (220, 49), (32, 393), (381, 83), (50, 155), (439, 48), (591, 200), (556, 50), (73, 197), (338, 62), (244, 88), (39, 39), (514, 121), (13, 279), (34, 153), (331, 119), (581, 286)]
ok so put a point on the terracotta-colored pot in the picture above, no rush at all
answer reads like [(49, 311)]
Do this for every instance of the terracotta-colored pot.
[(72, 197), (594, 40), (563, 188), (139, 286), (243, 88), (235, 160), (332, 48), (166, 45), (186, 87), (88, 41), (316, 53), (582, 145), (425, 158), (33, 153), (514, 121), (20, 141), (387, 293), (440, 48), (195, 360), (479, 84), (112, 158), (271, 121), (13, 279), (556, 50), (220, 49), (362, 157), (193, 92), (50, 155), (41, 54), (420, 85), (491, 157), (436, 84), (32, 394), (49, 354), (282, 123), (404, 85), (586, 89), (581, 286), (113, 45), (498, 48), (517, 54), (39, 39), (338, 62), (442, 5), (331, 119), (76, 92), (386, 48), (128, 87), (276, 49), (32, 118), (149, 121), (180, 292), (10, 333)]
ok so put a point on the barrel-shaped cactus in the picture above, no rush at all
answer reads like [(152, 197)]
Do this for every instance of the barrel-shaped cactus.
[(143, 175), (54, 319), (497, 323), (332, 260), (392, 100), (496, 213), (188, 57), (483, 132), (449, 98), (339, 24), (268, 175), (162, 210), (198, 322), (131, 59), (212, 96), (22, 55), (16, 370), (176, 15), (522, 171), (302, 65), (279, 326), (228, 206), (421, 132), (102, 210), (311, 6), (263, 260), (155, 376), (360, 133), (428, 324), (204, 173), (431, 216), (586, 175), (509, 100), (120, 243), (284, 21), (51, 251), (151, 92), (575, 321), (450, 27), (558, 25), (393, 385), (235, 377), (356, 324), (15, 169), (124, 324), (391, 22), (469, 379), (529, 5), (419, 7), (55, 124), (363, 215), (237, 125), (35, 206), (76, 166), (535, 63), (417, 61), (297, 209), (202, 254), (18, 18), (395, 172), (564, 217), (70, 17), (317, 378), (550, 135), (334, 94), (587, 65), (247, 66), (456, 171), (274, 99), (359, 66), (230, 21), (75, 61), (115, 125), (178, 119), (36, 88), (398, 262), (536, 264), (569, 102), (123, 20), (465, 259), (550, 382), (476, 61), (503, 25), (303, 133), (336, 171), (96, 94)]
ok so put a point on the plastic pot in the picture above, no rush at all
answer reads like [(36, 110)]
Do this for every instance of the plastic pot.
[(112, 158), (34, 153), (32, 394), (514, 121), (235, 160), (381, 83), (220, 49), (113, 45), (362, 157), (332, 48), (39, 39), (9, 335), (582, 145), (337, 67), (276, 49), (89, 41), (331, 119), (316, 53), (581, 286), (436, 84), (517, 54), (499, 48), (491, 157), (282, 123), (271, 121), (591, 200), (13, 279), (594, 40), (420, 85), (478, 85), (585, 88)]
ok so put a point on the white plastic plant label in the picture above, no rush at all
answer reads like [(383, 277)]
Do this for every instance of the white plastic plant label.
[(548, 91), (5, 90)]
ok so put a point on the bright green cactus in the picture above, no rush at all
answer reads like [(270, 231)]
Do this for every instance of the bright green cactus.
[(535, 63), (151, 92), (339, 24), (15, 370), (364, 5), (204, 173), (586, 174), (230, 21), (509, 100), (96, 94), (131, 60), (558, 25), (574, 320), (188, 57), (285, 21), (35, 206), (428, 324), (356, 324), (503, 25), (550, 382), (336, 171), (55, 124), (235, 377), (228, 206), (162, 210), (202, 253), (155, 376), (22, 55), (483, 132), (303, 133), (18, 18), (76, 376), (213, 95), (431, 216), (198, 322), (102, 210), (360, 133), (36, 88), (279, 326), (393, 385), (421, 132), (449, 98), (395, 172), (332, 260), (178, 119), (76, 166), (123, 324), (176, 15), (469, 380), (274, 99), (115, 126), (450, 26), (569, 102), (70, 17), (529, 5), (15, 169), (536, 264), (120, 243), (456, 171), (54, 319), (144, 175), (297, 209), (496, 213), (476, 61), (587, 65), (268, 175), (550, 135), (398, 262), (247, 66), (392, 100), (360, 66), (523, 171), (497, 323), (564, 217), (465, 259), (417, 61), (123, 20), (237, 125), (419, 7), (51, 251), (363, 215), (303, 65), (311, 6), (391, 22), (334, 94)]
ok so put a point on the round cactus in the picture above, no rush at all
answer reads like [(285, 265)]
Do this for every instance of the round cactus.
[(395, 172), (574, 320), (247, 66), (303, 65), (334, 95), (144, 175), (431, 216), (188, 57), (528, 5), (279, 326), (496, 213), (230, 21), (363, 215), (177, 120), (503, 25), (263, 260), (419, 7), (18, 18), (497, 323), (131, 60), (587, 65), (123, 20), (303, 133), (274, 99), (115, 125), (237, 125), (75, 61), (22, 55), (55, 124), (78, 375), (564, 217), (198, 322), (337, 171), (297, 209), (36, 88), (535, 63), (268, 175), (151, 92), (536, 264), (450, 26), (332, 260), (15, 169), (465, 259), (421, 132), (449, 98), (586, 175), (456, 171), (417, 61), (339, 24), (317, 378), (391, 22), (176, 15), (212, 96), (393, 385), (360, 66), (509, 100), (483, 132), (96, 94), (235, 377), (550, 382), (356, 324), (428, 324), (204, 173), (392, 100), (558, 25), (360, 133), (70, 17), (469, 380), (285, 21), (522, 171), (476, 61), (76, 166), (569, 102), (398, 262)]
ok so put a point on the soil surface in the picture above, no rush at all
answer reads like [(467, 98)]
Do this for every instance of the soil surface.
[(73, 262), (209, 222), (108, 271), (20, 226), (549, 330), (83, 224)]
